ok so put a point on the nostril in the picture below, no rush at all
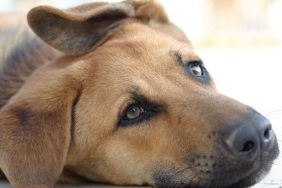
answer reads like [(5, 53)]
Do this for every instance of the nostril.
[(248, 146), (267, 137), (266, 134), (249, 139)]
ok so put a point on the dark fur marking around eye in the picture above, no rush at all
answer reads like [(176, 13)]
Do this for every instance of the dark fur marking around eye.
[(205, 78), (151, 108), (146, 101)]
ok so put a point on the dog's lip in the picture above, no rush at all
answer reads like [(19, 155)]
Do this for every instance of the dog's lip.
[(245, 179), (254, 175), (243, 182), (255, 170), (218, 182), (236, 184), (250, 173)]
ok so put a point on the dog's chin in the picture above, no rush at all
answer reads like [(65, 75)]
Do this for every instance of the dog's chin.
[(246, 181), (241, 178), (228, 182)]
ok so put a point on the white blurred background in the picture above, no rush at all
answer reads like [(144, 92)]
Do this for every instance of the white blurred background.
[(240, 42)]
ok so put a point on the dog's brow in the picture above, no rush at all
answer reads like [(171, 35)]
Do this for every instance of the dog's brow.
[(141, 98), (176, 55), (182, 54)]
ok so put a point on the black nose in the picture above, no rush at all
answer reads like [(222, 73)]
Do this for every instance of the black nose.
[(250, 138)]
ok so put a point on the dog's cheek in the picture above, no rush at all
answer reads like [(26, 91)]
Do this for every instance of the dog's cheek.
[(124, 163), (130, 156)]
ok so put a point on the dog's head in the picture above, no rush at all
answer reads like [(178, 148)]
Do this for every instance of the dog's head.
[(130, 103)]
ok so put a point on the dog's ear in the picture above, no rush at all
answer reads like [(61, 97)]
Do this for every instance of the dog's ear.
[(35, 130), (75, 31), (149, 9)]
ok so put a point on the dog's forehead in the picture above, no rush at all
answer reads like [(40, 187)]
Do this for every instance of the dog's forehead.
[(139, 45), (140, 56)]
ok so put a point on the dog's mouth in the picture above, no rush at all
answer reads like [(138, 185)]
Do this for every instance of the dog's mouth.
[(232, 180), (243, 179), (238, 175)]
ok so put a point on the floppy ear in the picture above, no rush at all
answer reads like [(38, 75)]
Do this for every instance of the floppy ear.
[(149, 9), (77, 30), (35, 130)]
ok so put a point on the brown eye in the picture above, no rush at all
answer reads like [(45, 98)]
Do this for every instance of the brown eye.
[(133, 112), (139, 111)]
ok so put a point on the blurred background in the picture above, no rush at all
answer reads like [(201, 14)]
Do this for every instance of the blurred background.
[(240, 42)]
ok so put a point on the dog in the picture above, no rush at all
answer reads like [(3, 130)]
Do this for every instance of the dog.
[(114, 93)]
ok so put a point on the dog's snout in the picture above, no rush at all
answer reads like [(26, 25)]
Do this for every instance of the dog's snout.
[(249, 139)]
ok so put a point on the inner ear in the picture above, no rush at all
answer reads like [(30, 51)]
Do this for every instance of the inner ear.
[(75, 31)]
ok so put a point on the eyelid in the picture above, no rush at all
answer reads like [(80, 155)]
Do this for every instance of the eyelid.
[(144, 116), (150, 109), (195, 62), (182, 56)]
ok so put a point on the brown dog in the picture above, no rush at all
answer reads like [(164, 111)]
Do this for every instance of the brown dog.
[(121, 98)]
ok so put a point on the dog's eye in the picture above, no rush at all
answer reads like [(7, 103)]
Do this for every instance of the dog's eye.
[(133, 114), (142, 109), (138, 112), (133, 111), (197, 71), (196, 68)]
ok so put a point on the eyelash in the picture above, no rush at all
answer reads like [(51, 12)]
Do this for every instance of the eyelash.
[(195, 63)]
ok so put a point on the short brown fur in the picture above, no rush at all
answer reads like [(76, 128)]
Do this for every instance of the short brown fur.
[(60, 105)]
